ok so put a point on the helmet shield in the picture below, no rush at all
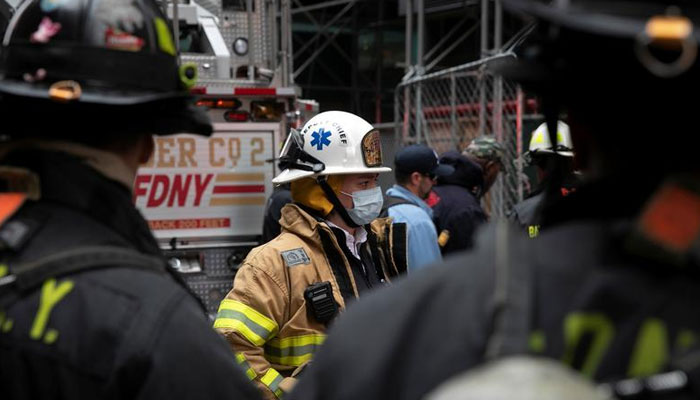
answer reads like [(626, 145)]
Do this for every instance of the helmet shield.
[(372, 149)]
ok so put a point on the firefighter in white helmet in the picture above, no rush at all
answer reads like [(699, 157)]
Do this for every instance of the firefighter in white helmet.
[(332, 250), (555, 169)]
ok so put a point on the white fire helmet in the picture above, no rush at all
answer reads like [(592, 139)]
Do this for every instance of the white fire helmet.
[(331, 143), (520, 377), (540, 143)]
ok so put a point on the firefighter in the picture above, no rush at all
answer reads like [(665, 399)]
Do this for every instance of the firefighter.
[(331, 251), (612, 288), (555, 170), (88, 307)]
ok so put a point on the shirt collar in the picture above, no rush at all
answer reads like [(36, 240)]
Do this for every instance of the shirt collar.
[(352, 242)]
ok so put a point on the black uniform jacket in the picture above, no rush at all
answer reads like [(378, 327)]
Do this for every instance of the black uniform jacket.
[(591, 303), (113, 333), (525, 212), (458, 212)]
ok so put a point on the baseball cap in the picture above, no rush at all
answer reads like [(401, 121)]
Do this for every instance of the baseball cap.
[(487, 148), (420, 158)]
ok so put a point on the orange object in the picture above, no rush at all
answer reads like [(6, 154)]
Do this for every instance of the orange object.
[(672, 219), (9, 204)]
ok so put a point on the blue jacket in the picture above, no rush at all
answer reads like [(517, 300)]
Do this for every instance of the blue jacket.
[(423, 246)]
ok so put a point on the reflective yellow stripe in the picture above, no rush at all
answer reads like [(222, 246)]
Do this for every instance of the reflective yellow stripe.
[(250, 373), (3, 270), (272, 380), (249, 312), (245, 320), (165, 40), (293, 351), (298, 341)]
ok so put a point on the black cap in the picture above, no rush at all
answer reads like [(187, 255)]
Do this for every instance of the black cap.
[(467, 173), (420, 158)]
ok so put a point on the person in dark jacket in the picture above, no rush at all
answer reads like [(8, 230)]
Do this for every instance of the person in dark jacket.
[(89, 309), (555, 168), (611, 288), (281, 196), (457, 211)]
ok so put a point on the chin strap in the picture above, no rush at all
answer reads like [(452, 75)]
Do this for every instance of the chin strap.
[(337, 205)]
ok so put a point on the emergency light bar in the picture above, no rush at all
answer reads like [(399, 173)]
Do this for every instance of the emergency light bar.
[(264, 92)]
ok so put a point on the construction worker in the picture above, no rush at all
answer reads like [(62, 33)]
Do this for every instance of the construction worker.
[(88, 306), (490, 155), (331, 251), (611, 288), (457, 212), (416, 169), (555, 170)]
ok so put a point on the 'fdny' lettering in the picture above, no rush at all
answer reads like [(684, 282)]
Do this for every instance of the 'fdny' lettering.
[(166, 190)]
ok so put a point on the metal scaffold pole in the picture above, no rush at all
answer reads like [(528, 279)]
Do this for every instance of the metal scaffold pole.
[(497, 116), (285, 34), (405, 120), (484, 53), (419, 70)]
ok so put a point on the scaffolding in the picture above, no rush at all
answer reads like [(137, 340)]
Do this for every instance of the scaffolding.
[(448, 109), (445, 109)]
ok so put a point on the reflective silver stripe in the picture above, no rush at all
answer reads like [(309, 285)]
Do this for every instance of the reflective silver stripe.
[(291, 351), (275, 384), (250, 373)]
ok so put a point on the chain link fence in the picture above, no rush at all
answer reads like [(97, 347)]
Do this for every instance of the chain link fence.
[(446, 110)]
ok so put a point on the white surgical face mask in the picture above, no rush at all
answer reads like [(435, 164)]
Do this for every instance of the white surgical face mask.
[(367, 205)]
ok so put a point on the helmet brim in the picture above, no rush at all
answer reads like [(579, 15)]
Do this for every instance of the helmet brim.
[(290, 175), (173, 113), (547, 152), (89, 95), (622, 19)]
